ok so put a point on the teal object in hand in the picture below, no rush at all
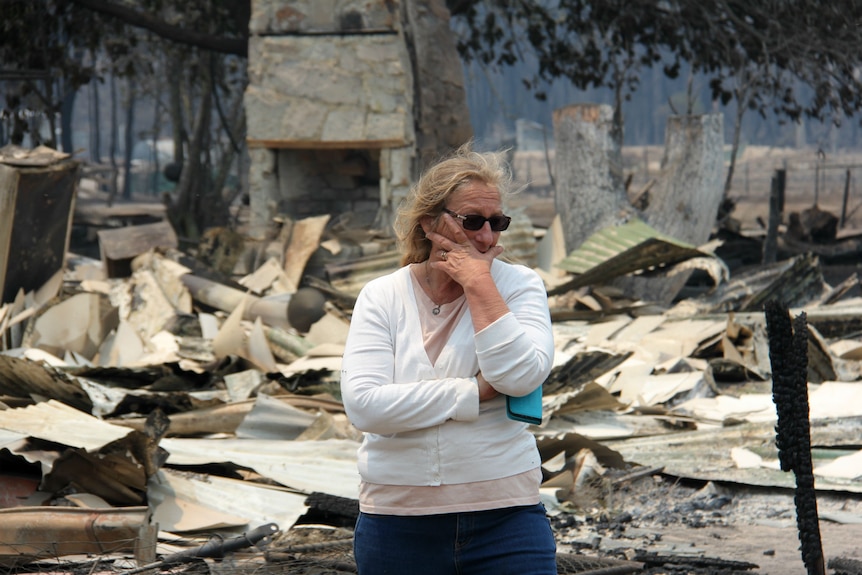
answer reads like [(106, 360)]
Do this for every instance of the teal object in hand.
[(527, 408)]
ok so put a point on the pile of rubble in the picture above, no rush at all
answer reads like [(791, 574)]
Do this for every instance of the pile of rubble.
[(197, 394)]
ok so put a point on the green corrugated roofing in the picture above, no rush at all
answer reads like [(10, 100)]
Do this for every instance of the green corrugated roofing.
[(619, 250)]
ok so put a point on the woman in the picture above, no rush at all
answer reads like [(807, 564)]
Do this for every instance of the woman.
[(449, 483)]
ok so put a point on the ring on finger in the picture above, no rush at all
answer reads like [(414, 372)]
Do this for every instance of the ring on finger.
[(443, 254)]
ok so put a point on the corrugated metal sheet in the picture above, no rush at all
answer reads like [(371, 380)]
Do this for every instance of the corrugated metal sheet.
[(619, 250), (349, 277), (613, 241), (328, 465)]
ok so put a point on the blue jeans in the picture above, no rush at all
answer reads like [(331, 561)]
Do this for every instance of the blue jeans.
[(514, 540)]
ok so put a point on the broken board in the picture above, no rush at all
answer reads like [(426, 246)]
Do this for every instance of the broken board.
[(36, 208)]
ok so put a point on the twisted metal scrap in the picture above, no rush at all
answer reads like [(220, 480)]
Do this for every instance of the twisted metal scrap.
[(788, 355), (214, 548)]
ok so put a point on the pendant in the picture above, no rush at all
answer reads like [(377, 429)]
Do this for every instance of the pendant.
[(436, 310)]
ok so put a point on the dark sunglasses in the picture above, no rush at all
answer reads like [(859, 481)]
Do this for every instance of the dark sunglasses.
[(474, 222)]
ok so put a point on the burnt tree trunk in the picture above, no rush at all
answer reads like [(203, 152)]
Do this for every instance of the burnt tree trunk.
[(441, 115), (128, 140), (67, 108), (175, 61), (95, 123), (741, 96), (232, 151), (114, 141), (588, 171), (591, 195), (197, 205), (685, 200)]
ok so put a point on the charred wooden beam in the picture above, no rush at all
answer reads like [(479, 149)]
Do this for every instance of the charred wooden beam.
[(788, 354), (801, 282)]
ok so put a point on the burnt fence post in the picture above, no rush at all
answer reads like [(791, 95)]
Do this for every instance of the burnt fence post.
[(776, 211)]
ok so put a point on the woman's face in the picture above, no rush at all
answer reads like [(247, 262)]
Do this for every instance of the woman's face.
[(476, 198)]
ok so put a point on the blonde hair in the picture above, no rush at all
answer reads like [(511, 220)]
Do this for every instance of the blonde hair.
[(428, 196)]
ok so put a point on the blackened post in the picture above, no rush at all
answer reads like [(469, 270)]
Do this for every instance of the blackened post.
[(844, 199), (776, 212), (788, 355)]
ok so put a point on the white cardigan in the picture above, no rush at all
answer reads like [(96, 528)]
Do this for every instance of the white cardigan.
[(423, 422)]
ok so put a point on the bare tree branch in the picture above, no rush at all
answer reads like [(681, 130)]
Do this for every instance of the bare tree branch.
[(132, 17)]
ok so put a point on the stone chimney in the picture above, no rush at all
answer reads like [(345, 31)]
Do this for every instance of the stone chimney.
[(346, 102)]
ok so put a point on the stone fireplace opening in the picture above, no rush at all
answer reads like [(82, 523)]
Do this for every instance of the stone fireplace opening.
[(313, 182)]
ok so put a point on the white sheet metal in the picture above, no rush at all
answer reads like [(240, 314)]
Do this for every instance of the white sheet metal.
[(327, 466), (57, 422), (195, 502)]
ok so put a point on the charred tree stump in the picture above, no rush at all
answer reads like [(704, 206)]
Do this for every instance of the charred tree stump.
[(591, 195), (788, 354), (689, 189), (588, 170), (685, 200)]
